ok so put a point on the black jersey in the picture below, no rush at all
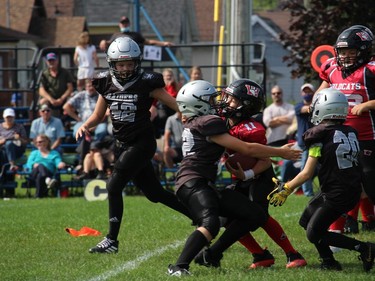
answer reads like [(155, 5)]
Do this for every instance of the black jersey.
[(201, 156), (129, 104), (339, 175)]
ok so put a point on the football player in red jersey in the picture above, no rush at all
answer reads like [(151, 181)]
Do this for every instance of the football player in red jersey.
[(336, 147), (129, 93), (205, 137), (352, 71), (240, 101)]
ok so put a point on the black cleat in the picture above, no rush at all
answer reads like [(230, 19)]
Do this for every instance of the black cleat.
[(175, 270), (295, 260), (367, 256), (205, 258), (106, 246), (351, 225), (330, 264), (266, 259)]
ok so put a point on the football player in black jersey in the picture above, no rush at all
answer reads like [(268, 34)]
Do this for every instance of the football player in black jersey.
[(335, 146), (128, 93), (238, 105), (205, 138)]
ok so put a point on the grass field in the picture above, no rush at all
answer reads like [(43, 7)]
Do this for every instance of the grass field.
[(35, 245)]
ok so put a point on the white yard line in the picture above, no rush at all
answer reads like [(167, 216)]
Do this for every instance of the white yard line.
[(130, 265)]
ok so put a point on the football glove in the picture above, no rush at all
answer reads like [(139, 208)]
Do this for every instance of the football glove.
[(278, 196)]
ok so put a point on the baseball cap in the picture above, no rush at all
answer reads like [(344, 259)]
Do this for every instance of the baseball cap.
[(51, 56), (9, 112), (44, 107), (124, 20), (308, 85)]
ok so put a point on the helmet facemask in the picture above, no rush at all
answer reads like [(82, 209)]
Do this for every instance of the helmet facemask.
[(125, 75), (228, 106)]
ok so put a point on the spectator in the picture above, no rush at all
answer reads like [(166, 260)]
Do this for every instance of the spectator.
[(277, 117), (85, 58), (43, 163), (13, 140), (80, 107), (172, 86), (56, 85), (173, 140), (124, 25), (303, 124), (195, 73), (48, 125)]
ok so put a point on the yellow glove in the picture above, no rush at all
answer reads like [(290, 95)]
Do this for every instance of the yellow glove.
[(278, 196)]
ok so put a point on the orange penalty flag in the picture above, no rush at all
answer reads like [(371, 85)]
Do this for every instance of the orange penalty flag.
[(84, 231)]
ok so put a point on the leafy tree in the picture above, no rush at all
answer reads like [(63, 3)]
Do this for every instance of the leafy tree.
[(320, 23)]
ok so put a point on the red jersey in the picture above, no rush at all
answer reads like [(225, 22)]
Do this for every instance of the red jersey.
[(358, 87), (249, 131)]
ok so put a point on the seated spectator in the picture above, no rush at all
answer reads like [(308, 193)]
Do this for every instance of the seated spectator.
[(172, 86), (48, 125), (80, 107), (99, 159), (13, 140), (173, 140), (56, 85), (43, 163)]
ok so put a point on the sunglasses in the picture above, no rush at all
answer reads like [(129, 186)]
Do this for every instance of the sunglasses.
[(46, 110), (276, 93)]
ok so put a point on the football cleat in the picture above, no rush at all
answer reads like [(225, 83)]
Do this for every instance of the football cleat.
[(175, 270), (295, 260), (367, 256), (205, 258), (351, 225), (106, 246), (266, 259), (330, 264)]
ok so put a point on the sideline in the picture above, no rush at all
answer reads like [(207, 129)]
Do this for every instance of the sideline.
[(130, 265)]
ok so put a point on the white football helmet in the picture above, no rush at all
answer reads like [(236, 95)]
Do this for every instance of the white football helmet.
[(197, 98), (124, 49), (328, 103)]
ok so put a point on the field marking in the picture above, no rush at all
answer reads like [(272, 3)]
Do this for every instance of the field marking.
[(288, 215), (130, 265)]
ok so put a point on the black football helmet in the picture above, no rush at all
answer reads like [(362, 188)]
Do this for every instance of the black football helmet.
[(250, 96), (356, 37)]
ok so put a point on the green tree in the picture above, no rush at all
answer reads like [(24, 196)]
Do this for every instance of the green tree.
[(319, 23)]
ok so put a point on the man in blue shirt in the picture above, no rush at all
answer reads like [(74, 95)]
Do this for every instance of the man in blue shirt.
[(49, 126)]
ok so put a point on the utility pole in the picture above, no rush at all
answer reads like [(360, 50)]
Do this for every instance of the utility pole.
[(8, 14)]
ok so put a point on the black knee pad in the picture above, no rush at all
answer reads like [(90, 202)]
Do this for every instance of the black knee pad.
[(212, 224)]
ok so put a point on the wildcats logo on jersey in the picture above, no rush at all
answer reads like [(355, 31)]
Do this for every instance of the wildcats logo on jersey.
[(252, 90)]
